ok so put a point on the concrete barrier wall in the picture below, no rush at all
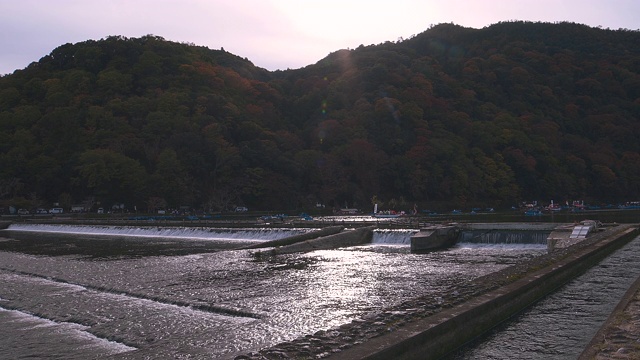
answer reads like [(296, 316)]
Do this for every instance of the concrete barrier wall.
[(297, 238), (343, 239), (446, 331), (612, 334)]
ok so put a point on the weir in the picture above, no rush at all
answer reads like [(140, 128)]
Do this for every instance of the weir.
[(504, 236), (495, 233), (392, 236), (554, 235), (481, 234), (506, 233), (256, 234), (297, 238), (492, 233), (348, 238)]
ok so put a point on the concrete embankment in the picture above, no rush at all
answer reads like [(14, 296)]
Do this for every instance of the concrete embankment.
[(618, 336), (447, 330), (297, 238), (343, 239)]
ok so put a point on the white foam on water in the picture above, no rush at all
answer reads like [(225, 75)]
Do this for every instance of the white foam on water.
[(500, 246), (201, 233), (22, 321), (392, 236)]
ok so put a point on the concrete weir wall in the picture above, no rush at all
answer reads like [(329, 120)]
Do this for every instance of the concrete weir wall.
[(297, 238), (444, 332), (511, 233), (343, 239)]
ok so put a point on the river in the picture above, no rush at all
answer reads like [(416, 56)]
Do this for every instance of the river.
[(147, 292)]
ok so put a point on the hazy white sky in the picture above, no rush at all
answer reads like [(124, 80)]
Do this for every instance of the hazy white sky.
[(274, 34)]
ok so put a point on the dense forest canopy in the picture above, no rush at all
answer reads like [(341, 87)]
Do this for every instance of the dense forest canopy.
[(452, 116)]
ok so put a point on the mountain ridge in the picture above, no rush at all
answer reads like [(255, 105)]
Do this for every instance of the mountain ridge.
[(457, 116)]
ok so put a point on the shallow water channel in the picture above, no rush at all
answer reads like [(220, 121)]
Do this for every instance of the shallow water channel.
[(134, 293)]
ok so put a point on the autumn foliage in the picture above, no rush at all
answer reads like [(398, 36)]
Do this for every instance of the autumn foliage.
[(453, 115)]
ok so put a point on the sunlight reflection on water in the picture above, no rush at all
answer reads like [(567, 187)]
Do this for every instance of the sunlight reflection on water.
[(192, 300)]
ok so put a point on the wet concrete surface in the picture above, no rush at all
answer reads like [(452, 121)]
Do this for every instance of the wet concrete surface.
[(619, 337)]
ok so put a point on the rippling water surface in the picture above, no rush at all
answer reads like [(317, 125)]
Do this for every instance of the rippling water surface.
[(90, 295)]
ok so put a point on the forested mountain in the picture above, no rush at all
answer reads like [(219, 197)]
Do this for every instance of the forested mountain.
[(514, 111)]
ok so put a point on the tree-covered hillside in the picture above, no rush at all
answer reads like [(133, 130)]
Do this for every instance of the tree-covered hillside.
[(465, 117)]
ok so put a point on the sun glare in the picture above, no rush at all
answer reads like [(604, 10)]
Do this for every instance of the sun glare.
[(351, 23)]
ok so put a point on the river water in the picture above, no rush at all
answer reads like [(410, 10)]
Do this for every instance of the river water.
[(89, 292)]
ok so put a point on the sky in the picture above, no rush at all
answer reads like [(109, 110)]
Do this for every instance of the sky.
[(274, 34)]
